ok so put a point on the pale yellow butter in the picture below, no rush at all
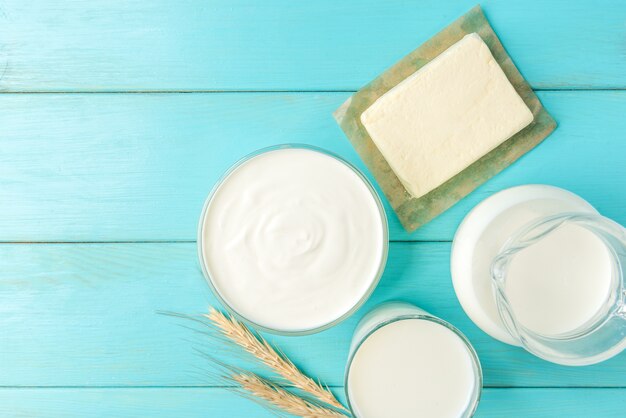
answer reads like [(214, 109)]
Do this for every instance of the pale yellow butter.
[(446, 116)]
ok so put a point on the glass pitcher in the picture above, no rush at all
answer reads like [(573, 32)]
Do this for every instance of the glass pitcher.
[(538, 267), (599, 336)]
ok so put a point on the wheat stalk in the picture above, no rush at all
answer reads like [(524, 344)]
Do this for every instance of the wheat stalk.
[(278, 397), (241, 335)]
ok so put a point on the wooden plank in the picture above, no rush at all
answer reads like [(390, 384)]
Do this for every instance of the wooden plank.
[(105, 45), (219, 402), (111, 167), (85, 314)]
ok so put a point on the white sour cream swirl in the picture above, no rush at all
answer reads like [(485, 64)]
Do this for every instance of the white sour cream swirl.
[(293, 239)]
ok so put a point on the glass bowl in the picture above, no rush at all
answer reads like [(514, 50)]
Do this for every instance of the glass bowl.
[(375, 278)]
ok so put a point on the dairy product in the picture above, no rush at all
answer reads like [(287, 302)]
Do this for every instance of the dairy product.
[(561, 282), (445, 116), (293, 239), (537, 266), (412, 368)]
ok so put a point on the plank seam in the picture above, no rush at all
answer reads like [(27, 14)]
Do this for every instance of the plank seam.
[(272, 91), (286, 386), (165, 242)]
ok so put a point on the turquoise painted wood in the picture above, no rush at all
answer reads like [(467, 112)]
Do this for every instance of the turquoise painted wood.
[(104, 45), (117, 167), (100, 193), (209, 402), (86, 314)]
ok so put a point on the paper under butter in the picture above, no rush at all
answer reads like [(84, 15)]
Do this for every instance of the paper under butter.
[(414, 209)]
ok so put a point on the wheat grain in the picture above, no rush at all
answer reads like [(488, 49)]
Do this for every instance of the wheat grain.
[(257, 346), (280, 398)]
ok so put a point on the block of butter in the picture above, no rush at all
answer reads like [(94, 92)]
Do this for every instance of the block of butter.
[(445, 116), (444, 119)]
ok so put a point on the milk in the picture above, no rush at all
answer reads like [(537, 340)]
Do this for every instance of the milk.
[(293, 239), (481, 236), (538, 267), (412, 368), (561, 282)]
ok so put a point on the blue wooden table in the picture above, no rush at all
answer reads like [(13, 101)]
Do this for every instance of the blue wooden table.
[(116, 118)]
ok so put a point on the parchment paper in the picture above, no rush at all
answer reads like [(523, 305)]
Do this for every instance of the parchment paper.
[(415, 212)]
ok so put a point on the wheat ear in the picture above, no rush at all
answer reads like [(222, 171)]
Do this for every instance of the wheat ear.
[(241, 335), (280, 398)]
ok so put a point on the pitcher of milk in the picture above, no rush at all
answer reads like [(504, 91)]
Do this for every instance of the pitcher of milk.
[(537, 266)]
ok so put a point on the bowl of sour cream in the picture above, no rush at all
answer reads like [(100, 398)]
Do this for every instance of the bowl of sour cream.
[(292, 239)]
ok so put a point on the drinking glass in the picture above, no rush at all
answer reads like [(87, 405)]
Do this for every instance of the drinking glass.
[(391, 312)]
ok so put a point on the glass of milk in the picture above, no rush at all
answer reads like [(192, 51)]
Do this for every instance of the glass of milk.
[(405, 362), (537, 266)]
